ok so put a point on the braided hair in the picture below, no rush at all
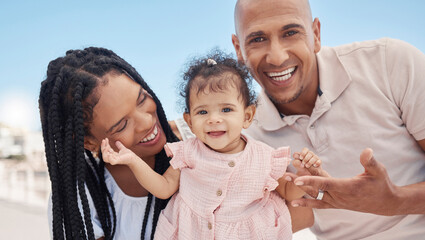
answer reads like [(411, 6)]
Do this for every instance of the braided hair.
[(66, 102)]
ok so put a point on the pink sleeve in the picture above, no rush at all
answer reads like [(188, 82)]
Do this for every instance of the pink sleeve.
[(280, 158), (176, 151)]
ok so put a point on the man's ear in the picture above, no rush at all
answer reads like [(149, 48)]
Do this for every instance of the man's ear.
[(186, 117), (91, 144), (249, 116), (316, 32), (237, 46)]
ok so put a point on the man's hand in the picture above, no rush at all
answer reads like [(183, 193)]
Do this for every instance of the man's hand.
[(371, 191)]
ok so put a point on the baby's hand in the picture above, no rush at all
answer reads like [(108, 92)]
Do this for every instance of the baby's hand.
[(124, 156), (307, 158)]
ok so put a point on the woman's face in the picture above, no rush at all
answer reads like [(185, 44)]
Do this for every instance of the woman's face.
[(125, 112)]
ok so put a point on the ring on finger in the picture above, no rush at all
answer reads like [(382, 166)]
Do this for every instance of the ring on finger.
[(320, 194)]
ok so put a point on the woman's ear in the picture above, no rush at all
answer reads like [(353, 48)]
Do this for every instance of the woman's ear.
[(249, 116), (91, 144)]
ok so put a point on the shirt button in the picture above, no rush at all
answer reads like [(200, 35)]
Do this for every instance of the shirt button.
[(312, 126), (231, 164), (219, 192), (209, 226)]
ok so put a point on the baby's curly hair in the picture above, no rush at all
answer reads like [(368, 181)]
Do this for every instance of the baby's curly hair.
[(216, 71)]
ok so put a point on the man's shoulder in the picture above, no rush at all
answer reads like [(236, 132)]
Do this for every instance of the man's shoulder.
[(383, 43)]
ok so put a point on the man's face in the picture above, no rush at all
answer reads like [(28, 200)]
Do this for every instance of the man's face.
[(277, 40)]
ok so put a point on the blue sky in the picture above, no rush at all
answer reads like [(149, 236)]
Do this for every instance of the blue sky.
[(158, 37)]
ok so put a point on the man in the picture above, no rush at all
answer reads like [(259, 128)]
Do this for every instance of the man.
[(337, 102)]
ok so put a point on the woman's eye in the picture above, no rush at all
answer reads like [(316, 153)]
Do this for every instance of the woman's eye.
[(144, 95), (123, 127), (226, 110)]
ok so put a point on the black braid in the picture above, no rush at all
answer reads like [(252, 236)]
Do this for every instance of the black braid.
[(53, 172), (66, 102), (79, 154), (146, 216)]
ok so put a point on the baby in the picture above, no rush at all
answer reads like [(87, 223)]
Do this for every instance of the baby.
[(224, 180)]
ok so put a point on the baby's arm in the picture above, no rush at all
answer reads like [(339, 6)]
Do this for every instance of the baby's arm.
[(162, 186), (307, 163)]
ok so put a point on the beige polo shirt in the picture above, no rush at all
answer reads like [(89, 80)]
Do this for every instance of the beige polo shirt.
[(372, 94)]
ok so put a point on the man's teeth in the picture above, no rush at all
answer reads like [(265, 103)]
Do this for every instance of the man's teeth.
[(281, 76), (150, 137)]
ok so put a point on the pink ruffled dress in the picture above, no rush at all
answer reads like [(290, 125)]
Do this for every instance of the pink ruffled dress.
[(226, 196)]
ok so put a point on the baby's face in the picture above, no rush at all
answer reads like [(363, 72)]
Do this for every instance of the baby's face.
[(217, 119)]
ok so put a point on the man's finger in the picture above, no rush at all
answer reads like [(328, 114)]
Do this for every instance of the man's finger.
[(324, 183), (289, 177), (317, 171), (369, 163), (313, 203)]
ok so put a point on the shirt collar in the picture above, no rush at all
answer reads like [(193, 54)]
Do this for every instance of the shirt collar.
[(333, 80), (333, 76)]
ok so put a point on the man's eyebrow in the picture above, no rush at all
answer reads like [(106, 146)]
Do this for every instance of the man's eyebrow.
[(254, 34), (292, 25), (284, 28), (118, 123)]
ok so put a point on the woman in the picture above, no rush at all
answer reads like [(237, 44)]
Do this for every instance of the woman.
[(89, 95)]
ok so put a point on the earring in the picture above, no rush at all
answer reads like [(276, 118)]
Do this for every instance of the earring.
[(95, 155)]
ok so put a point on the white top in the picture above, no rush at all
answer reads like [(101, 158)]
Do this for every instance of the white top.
[(184, 129), (373, 96), (130, 210)]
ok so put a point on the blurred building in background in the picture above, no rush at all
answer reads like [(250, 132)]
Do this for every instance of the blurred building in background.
[(23, 169), (11, 142)]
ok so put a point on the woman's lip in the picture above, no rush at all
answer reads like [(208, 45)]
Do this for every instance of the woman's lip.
[(153, 141)]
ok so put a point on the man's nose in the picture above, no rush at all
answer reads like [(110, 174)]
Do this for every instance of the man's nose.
[(277, 53)]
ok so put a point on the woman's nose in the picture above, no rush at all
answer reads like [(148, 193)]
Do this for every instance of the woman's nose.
[(143, 122)]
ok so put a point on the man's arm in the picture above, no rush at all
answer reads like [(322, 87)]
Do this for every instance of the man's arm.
[(370, 192)]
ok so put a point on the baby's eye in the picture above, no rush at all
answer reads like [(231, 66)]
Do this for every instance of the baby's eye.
[(226, 110), (202, 112)]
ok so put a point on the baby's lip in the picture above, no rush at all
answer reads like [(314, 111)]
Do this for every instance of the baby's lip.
[(216, 133)]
